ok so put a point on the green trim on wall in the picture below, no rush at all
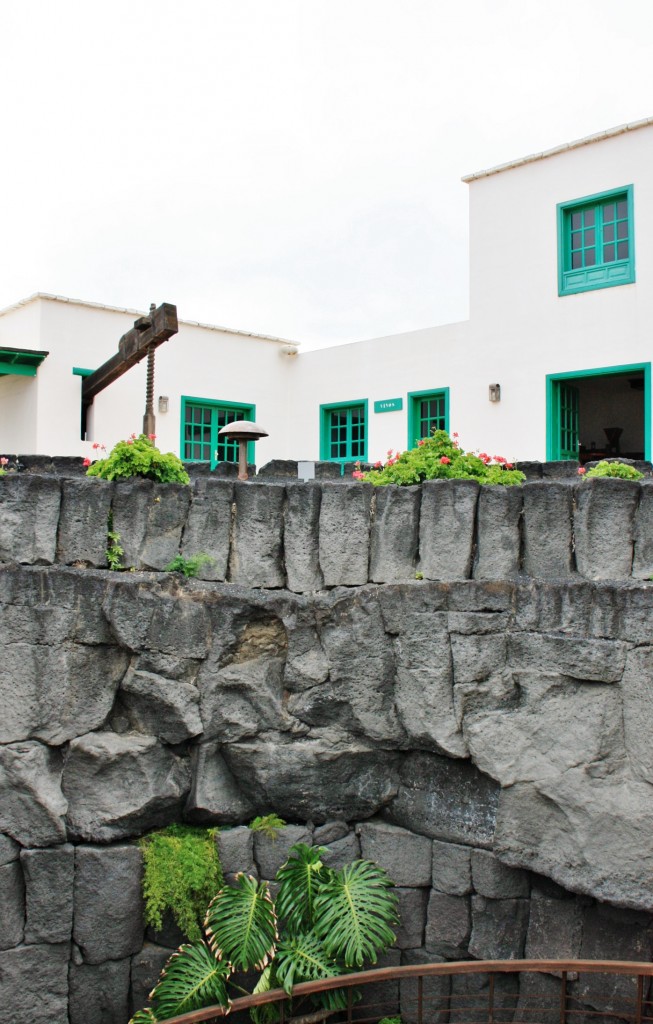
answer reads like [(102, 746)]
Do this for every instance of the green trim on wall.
[(552, 440), (325, 411), (249, 413), (80, 371), (602, 274), (413, 398)]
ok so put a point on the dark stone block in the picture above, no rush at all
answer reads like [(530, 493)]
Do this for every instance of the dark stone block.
[(83, 521), (444, 799), (448, 926), (208, 528), (565, 469), (643, 557), (271, 852), (34, 984), (149, 519), (604, 528), (498, 928), (49, 892), (531, 470), (328, 471), (470, 998), (301, 544), (279, 469), (108, 903), (554, 929), (146, 967), (498, 533), (236, 850), (405, 856), (496, 880), (229, 470), (412, 917), (547, 525), (12, 905), (452, 869), (395, 534), (446, 530), (435, 990), (342, 851), (380, 999), (29, 517), (611, 934), (331, 832), (344, 533), (99, 993), (255, 559)]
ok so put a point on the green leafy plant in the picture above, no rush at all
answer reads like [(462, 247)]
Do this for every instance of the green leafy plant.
[(138, 456), (440, 457), (269, 825), (114, 550), (189, 567), (614, 470), (323, 924), (182, 873)]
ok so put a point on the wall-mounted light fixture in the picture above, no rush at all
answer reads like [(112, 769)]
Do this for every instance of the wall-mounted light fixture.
[(163, 403), (495, 392)]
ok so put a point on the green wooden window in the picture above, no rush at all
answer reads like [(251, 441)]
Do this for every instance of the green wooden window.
[(343, 431), (201, 419), (596, 242), (427, 411)]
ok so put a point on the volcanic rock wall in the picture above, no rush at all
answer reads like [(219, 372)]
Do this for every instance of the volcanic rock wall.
[(485, 738)]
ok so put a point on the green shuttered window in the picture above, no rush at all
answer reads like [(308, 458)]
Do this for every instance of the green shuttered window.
[(201, 419), (596, 242), (343, 431)]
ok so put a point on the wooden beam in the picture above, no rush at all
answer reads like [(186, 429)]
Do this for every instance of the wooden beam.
[(147, 332)]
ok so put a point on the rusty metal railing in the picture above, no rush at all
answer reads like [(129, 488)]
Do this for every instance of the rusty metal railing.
[(469, 992)]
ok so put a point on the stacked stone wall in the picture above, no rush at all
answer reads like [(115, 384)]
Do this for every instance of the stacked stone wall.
[(486, 740)]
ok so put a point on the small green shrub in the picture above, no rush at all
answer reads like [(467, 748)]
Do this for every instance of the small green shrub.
[(190, 567), (615, 470), (269, 825), (182, 874), (440, 457), (139, 457), (114, 550)]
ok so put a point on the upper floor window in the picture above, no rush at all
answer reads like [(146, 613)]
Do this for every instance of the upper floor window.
[(596, 242), (343, 431)]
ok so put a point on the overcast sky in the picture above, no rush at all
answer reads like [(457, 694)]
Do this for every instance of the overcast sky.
[(287, 166)]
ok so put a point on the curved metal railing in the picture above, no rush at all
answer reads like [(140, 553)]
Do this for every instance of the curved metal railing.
[(471, 992)]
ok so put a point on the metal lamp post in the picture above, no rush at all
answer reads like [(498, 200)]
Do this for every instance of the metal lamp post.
[(242, 431)]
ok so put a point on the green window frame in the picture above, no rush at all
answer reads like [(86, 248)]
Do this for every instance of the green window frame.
[(343, 431), (201, 419), (596, 242), (427, 410)]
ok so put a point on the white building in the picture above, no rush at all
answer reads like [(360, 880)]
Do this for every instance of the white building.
[(561, 318)]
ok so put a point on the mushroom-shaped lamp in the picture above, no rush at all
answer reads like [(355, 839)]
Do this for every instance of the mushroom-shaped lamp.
[(242, 431)]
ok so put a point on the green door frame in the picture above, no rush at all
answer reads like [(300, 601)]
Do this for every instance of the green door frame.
[(553, 441)]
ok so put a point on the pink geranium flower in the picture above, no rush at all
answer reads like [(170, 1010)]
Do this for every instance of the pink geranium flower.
[(445, 461), (581, 470), (87, 462)]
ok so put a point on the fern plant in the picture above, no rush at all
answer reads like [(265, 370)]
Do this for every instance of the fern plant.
[(268, 824), (323, 924)]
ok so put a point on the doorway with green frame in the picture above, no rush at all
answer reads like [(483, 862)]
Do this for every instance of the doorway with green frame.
[(599, 413)]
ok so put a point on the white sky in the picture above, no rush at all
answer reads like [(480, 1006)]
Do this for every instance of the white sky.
[(287, 166)]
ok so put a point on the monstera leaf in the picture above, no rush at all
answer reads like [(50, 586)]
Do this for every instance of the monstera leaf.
[(145, 1016), (241, 924), (300, 879), (354, 911), (303, 958), (192, 979)]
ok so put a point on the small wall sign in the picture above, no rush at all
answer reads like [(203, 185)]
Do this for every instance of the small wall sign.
[(389, 405)]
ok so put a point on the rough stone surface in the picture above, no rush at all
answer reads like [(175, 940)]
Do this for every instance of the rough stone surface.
[(271, 852), (452, 868), (405, 856), (30, 794), (83, 519), (395, 534), (435, 990), (470, 998), (604, 525), (29, 516), (258, 536), (609, 934), (34, 984), (162, 707), (301, 545), (49, 893), (382, 998), (555, 929), (642, 567), (208, 527), (412, 905), (236, 850), (119, 786), (146, 966), (547, 525), (637, 689), (446, 800), (492, 878), (498, 541), (448, 925), (330, 832), (149, 519), (99, 994), (108, 890), (12, 905), (9, 850), (344, 552), (446, 529), (498, 928), (215, 796), (341, 851)]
